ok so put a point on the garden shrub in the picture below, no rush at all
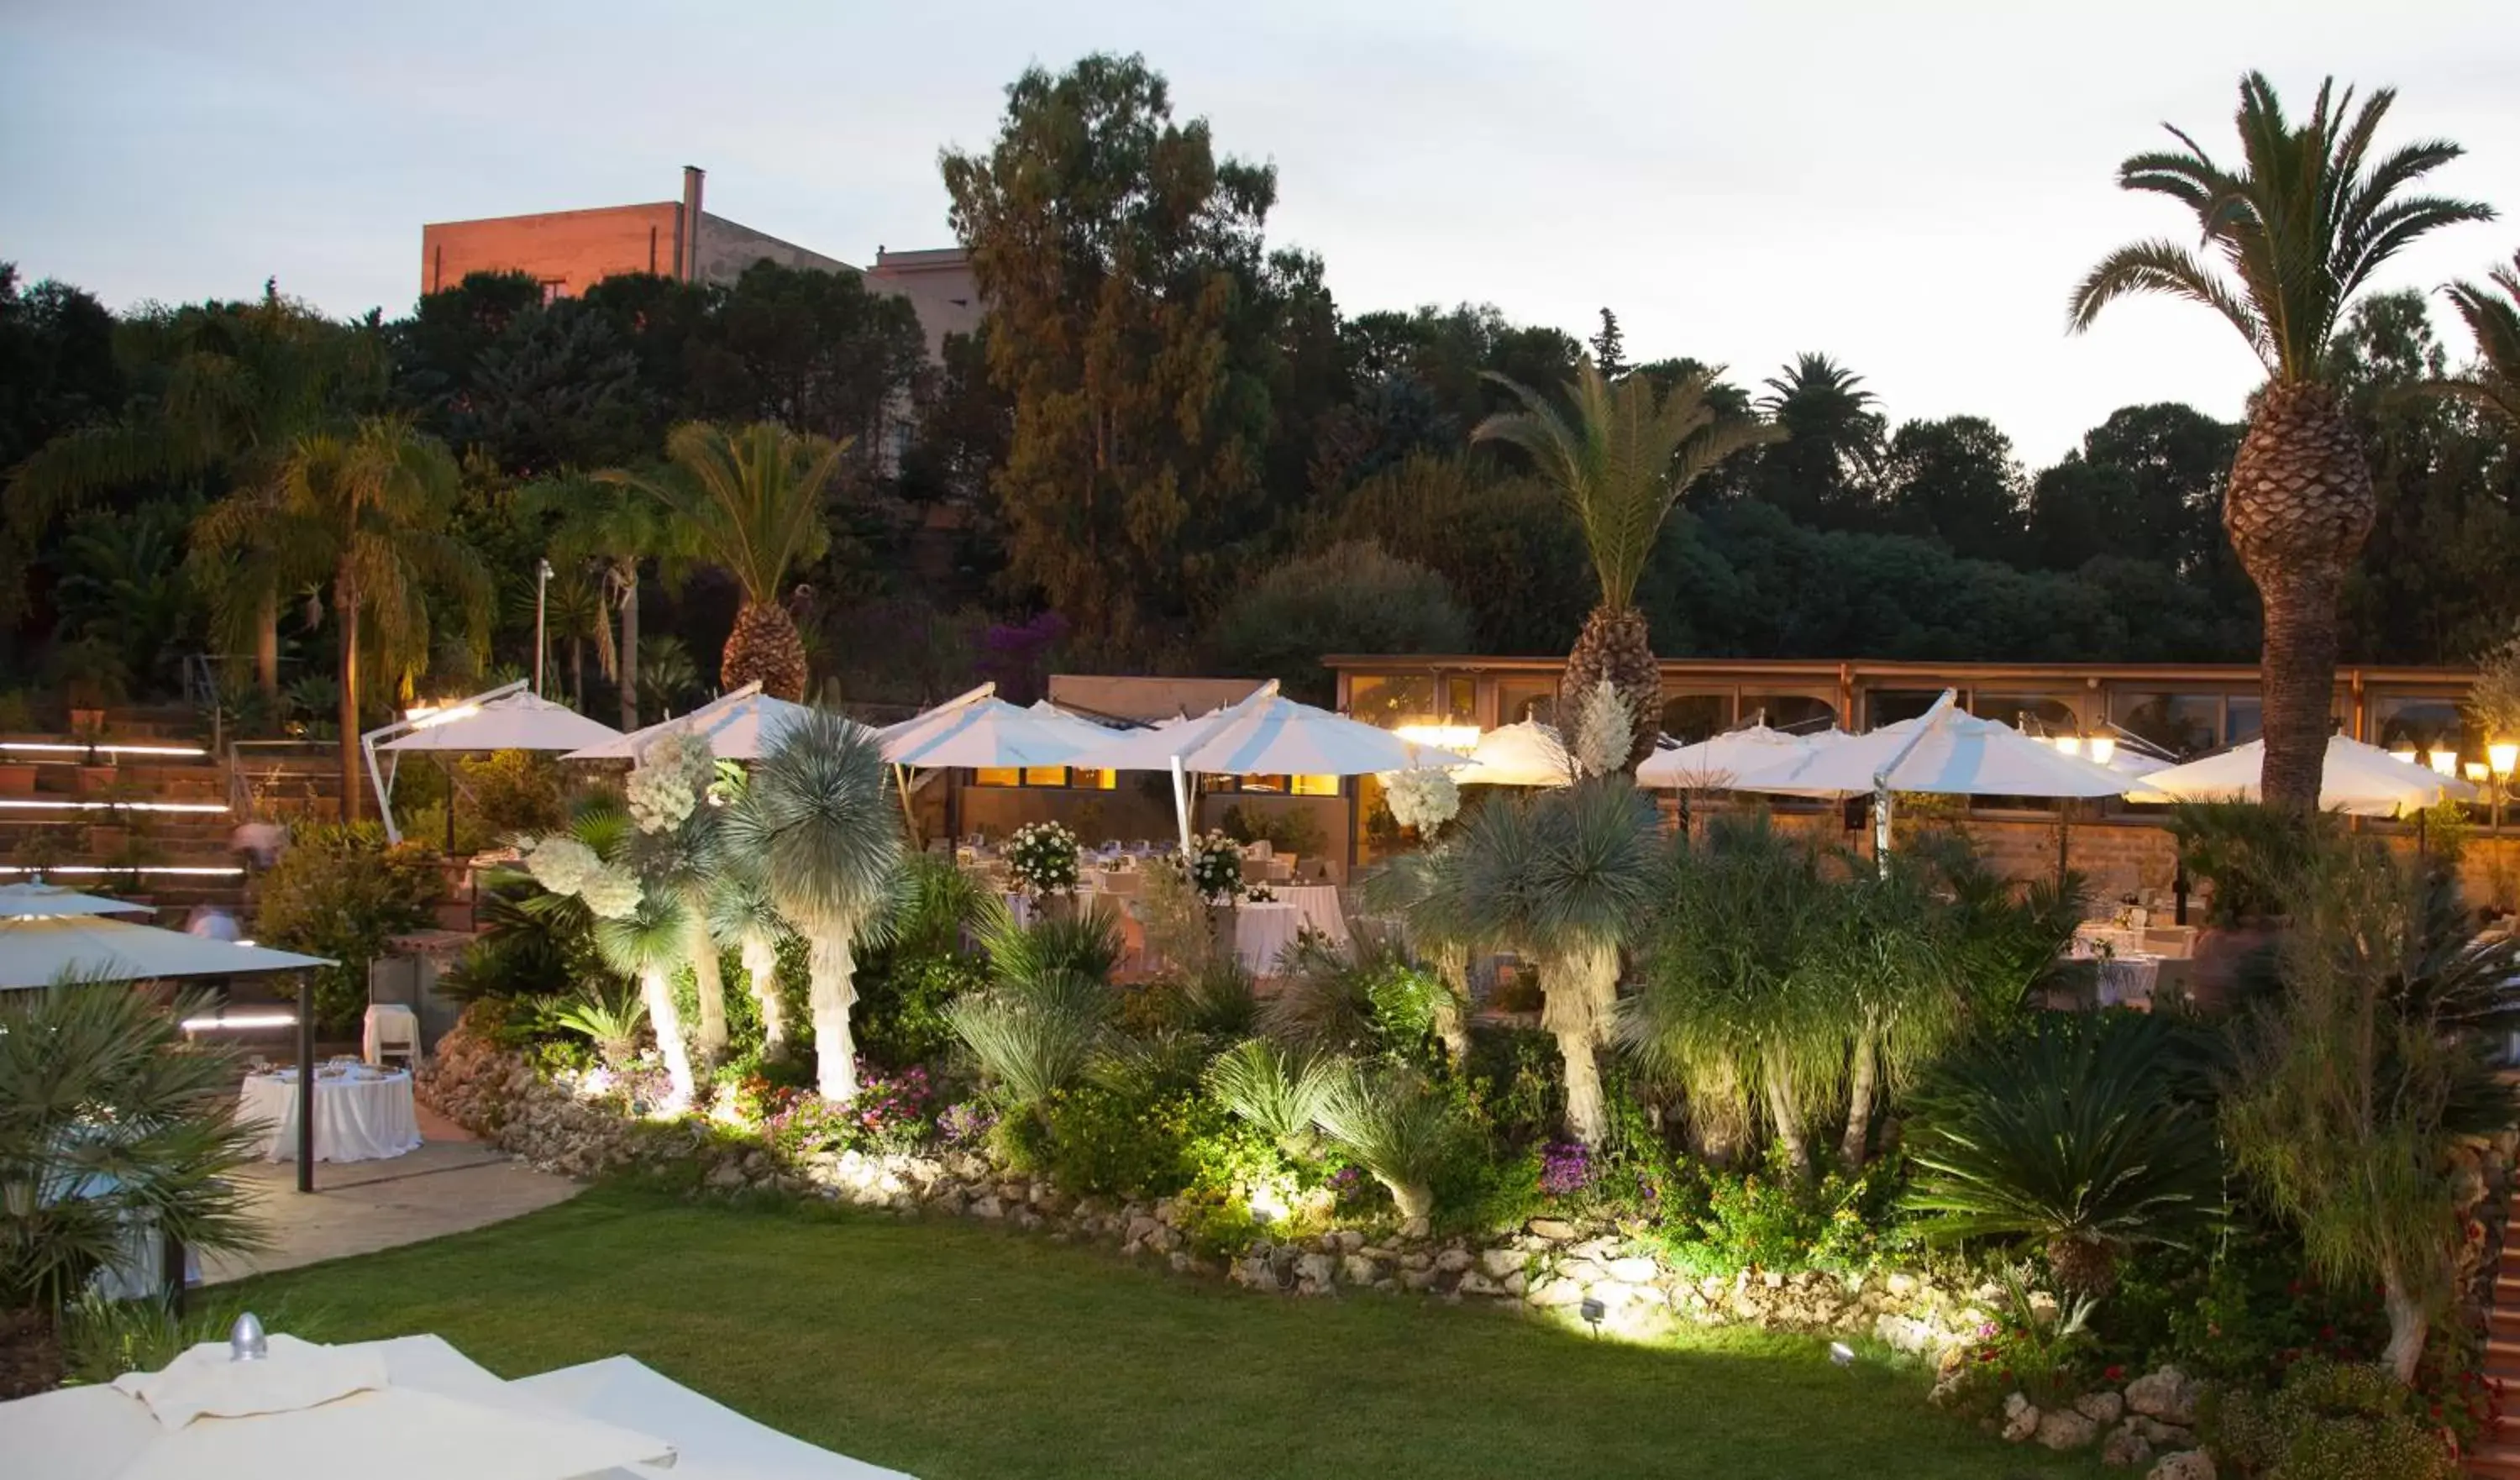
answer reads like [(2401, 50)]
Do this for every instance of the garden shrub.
[(1099, 1139), (512, 792), (342, 892), (1777, 1222), (2328, 1421), (1514, 1083), (900, 1015), (1236, 1166), (2247, 856)]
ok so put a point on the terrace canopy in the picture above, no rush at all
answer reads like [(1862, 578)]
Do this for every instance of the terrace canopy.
[(1524, 754), (38, 950), (740, 727), (1264, 735), (1736, 760), (981, 730), (510, 718), (2356, 778)]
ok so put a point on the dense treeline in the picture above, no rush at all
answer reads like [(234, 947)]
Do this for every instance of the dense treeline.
[(1165, 433)]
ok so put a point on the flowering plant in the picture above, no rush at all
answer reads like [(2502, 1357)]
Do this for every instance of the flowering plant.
[(1214, 863), (1604, 730), (563, 865), (1260, 894), (1041, 859), (667, 785), (966, 1124), (1424, 798), (1565, 1168)]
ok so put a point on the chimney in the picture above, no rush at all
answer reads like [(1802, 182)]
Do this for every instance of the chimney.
[(687, 254)]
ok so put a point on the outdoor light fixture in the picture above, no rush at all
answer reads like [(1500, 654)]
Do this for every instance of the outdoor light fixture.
[(2505, 756), (2105, 748), (2446, 762), (1841, 1354), (1462, 737), (2477, 772), (2071, 745), (2407, 755), (1593, 1310), (246, 1340), (241, 1020)]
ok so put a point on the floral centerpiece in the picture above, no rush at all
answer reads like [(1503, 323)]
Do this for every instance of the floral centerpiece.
[(1215, 866), (1041, 859), (1260, 894), (1424, 798)]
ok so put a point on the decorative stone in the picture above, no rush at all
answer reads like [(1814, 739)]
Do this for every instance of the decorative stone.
[(2101, 1408), (1357, 1269), (2125, 1447), (2163, 1436), (2020, 1418), (2169, 1395), (1499, 1263), (2186, 1465), (1476, 1284), (988, 1207), (1636, 1270), (2062, 1429), (1555, 1230), (1319, 1269), (1453, 1261)]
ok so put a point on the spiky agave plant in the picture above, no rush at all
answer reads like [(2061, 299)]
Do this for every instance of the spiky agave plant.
[(2072, 1136), (1086, 943), (1281, 1092), (2300, 226), (610, 1022), (1033, 1037), (1621, 462), (1397, 1127)]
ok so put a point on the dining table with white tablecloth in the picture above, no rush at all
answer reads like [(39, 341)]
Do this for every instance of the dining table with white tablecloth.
[(361, 1113)]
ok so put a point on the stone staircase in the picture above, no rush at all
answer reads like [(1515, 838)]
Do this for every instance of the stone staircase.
[(2498, 1454)]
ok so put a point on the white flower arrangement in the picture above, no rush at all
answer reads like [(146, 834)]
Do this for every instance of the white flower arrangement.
[(1424, 798), (563, 865), (1041, 859), (1606, 732), (666, 786), (1214, 864)]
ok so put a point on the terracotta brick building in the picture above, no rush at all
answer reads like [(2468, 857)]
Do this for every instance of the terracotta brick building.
[(570, 251)]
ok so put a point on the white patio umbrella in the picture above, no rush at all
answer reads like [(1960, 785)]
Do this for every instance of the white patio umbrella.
[(35, 951), (2359, 780), (37, 901), (709, 1438), (980, 730), (740, 727), (1527, 753), (1264, 735), (509, 718), (410, 1409), (1736, 760)]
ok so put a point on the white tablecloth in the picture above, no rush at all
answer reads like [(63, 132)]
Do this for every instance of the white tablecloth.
[(364, 1116), (1261, 932), (1318, 904), (2128, 980)]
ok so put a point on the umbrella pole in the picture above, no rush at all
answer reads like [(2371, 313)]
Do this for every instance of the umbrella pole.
[(1181, 803), (448, 766), (2064, 837), (909, 817), (305, 1083), (1881, 829)]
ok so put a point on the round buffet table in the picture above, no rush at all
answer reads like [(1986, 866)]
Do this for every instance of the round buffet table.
[(361, 1114)]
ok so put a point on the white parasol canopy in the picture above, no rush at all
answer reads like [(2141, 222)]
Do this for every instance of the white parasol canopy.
[(980, 729), (518, 721), (410, 1409), (39, 950), (710, 1439), (1945, 750), (1527, 753), (2359, 780), (1737, 760), (41, 901), (1264, 735), (740, 726)]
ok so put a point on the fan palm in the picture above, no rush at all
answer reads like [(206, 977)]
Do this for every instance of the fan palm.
[(1624, 459), (647, 945), (241, 385), (111, 1118), (1562, 875), (613, 525), (366, 511), (1396, 1127), (2299, 228), (742, 914), (751, 502), (2493, 314), (818, 819)]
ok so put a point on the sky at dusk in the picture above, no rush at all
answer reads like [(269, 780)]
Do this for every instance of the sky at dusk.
[(1910, 188)]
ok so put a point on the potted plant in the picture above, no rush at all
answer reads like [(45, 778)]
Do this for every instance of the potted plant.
[(2246, 857), (1040, 863), (1214, 864)]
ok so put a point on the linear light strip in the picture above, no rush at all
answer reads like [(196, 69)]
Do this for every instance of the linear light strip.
[(192, 870), (48, 747), (21, 804), (240, 1020)]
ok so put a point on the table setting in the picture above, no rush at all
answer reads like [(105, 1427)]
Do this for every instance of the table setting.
[(362, 1112)]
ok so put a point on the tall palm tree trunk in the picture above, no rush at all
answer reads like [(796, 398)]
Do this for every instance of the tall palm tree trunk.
[(577, 674), (629, 646), (1452, 1008), (266, 647), (2409, 1324), (658, 993), (708, 980), (761, 974), (2298, 508), (830, 969), (1865, 1078), (1576, 1008), (1785, 1113), (354, 802)]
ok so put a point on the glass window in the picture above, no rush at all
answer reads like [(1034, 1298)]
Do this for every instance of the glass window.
[(1888, 707), (1526, 699), (1691, 717), (1391, 700), (1045, 776), (1316, 785), (2242, 719), (2423, 725), (997, 775), (1801, 713), (1461, 702), (1094, 780), (2031, 713), (2182, 724)]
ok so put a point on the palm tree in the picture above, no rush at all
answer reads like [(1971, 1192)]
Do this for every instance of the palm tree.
[(2299, 229), (365, 512), (242, 382), (819, 822), (1834, 440), (647, 946), (613, 525), (1562, 875), (743, 914), (751, 502), (2494, 319), (576, 612), (1621, 463)]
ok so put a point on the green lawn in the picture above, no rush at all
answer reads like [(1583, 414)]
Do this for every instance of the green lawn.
[(964, 1352)]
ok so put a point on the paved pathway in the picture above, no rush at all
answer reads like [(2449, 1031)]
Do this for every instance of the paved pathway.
[(451, 1184)]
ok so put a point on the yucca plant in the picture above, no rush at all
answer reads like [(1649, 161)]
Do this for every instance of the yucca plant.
[(1621, 462), (2299, 225), (2071, 1136), (647, 946), (1397, 1127), (110, 1122), (611, 1023), (1280, 1091), (743, 916), (1086, 943), (1035, 1037), (1220, 1000)]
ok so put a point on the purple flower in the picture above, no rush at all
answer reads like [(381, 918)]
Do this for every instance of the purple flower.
[(1565, 1168), (966, 1123)]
